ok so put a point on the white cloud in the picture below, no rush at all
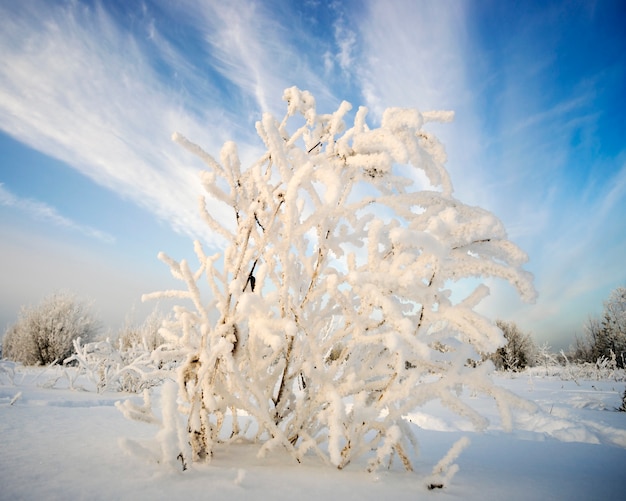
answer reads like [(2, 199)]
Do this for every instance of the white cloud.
[(75, 87), (615, 194), (558, 112), (235, 32), (255, 48), (44, 212), (412, 54), (346, 41)]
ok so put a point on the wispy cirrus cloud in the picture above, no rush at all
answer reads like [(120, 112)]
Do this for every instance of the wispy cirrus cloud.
[(77, 87), (411, 55), (243, 40), (255, 48), (43, 212), (345, 40), (80, 87)]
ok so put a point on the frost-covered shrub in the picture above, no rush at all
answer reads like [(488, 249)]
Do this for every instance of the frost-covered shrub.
[(330, 316), (602, 369), (45, 333), (110, 367), (567, 368), (132, 363), (519, 350), (145, 335), (548, 359)]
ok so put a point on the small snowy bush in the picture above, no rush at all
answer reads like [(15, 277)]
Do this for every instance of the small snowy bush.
[(604, 368), (331, 314), (145, 335), (109, 367), (131, 364), (45, 333)]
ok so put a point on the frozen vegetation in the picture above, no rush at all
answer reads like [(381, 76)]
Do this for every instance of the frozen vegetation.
[(330, 314), (329, 334)]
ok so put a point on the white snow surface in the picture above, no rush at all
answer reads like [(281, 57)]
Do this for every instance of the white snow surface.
[(62, 443)]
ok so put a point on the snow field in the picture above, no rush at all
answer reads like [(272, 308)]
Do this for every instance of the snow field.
[(59, 443)]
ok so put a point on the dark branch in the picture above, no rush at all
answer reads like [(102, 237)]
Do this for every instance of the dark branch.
[(318, 144), (251, 279), (483, 241), (256, 218)]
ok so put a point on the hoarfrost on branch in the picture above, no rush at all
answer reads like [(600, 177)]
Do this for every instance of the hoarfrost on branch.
[(330, 316)]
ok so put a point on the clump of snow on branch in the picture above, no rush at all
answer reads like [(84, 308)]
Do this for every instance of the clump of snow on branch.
[(329, 315)]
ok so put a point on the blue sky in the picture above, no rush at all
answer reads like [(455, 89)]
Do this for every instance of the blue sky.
[(92, 187)]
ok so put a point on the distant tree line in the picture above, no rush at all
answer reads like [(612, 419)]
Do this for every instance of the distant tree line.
[(45, 333), (604, 339), (605, 336)]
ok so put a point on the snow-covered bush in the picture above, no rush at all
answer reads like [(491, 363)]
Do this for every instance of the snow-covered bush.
[(45, 333), (603, 369), (131, 364), (110, 367), (145, 335), (519, 350), (331, 312)]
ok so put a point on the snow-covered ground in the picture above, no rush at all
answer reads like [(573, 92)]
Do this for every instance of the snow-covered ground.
[(59, 443)]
